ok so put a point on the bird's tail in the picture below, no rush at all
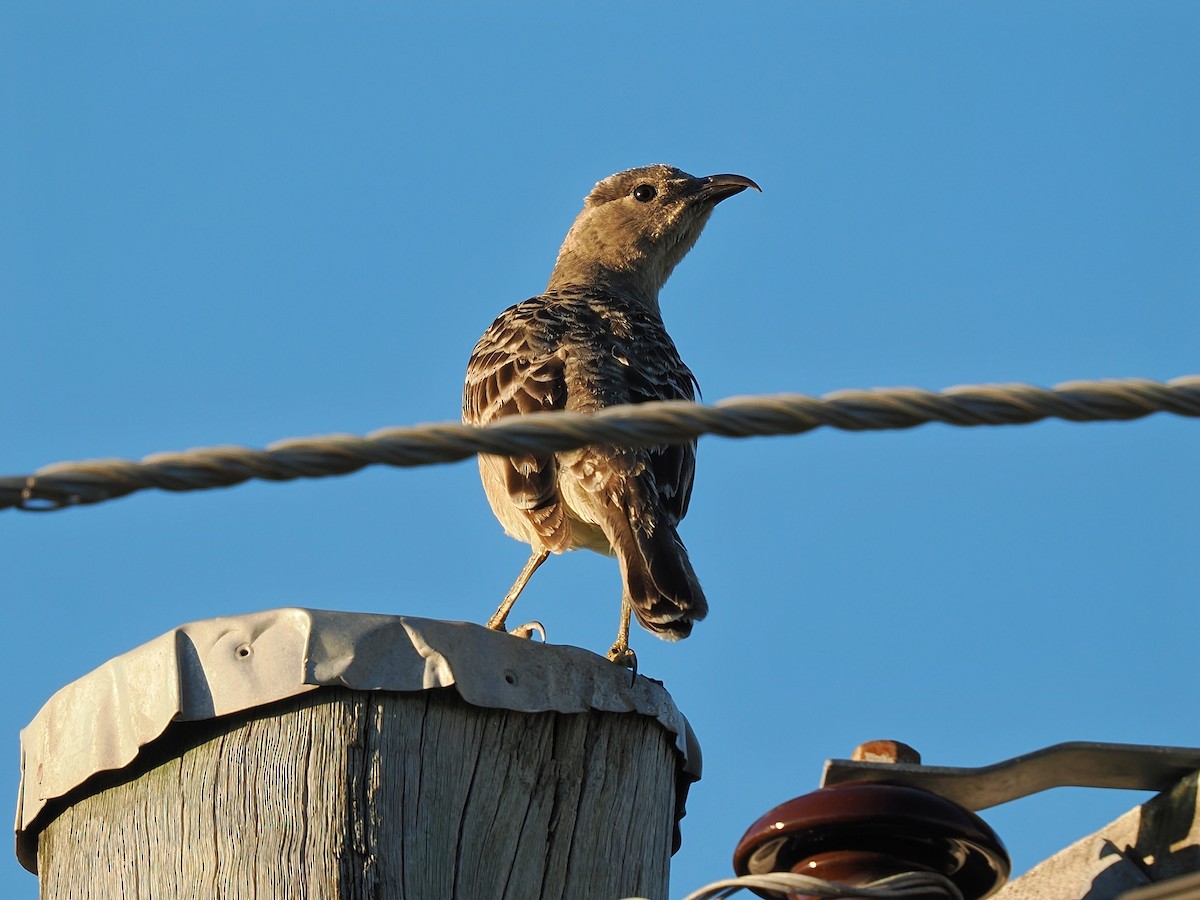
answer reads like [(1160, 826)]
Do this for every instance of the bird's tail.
[(659, 581)]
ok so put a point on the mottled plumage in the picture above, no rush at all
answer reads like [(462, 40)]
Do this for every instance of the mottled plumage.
[(595, 339)]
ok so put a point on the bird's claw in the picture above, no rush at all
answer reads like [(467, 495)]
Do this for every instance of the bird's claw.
[(527, 630), (624, 656)]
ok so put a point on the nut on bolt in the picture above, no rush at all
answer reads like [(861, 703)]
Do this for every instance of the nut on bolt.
[(886, 752)]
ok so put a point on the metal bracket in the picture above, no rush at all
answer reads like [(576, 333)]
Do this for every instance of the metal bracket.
[(1074, 764)]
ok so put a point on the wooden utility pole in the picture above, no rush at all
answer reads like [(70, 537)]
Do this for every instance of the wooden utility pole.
[(567, 784)]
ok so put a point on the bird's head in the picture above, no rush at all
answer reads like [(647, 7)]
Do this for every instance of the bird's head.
[(637, 225)]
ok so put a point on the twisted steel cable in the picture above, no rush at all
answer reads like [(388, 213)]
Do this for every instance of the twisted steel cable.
[(645, 424)]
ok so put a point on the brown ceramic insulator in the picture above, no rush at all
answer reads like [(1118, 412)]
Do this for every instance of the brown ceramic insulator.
[(856, 833)]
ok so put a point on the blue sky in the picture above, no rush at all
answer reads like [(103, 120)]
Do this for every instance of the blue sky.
[(231, 225)]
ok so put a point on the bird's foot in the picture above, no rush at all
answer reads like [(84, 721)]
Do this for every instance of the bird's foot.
[(623, 655), (527, 630)]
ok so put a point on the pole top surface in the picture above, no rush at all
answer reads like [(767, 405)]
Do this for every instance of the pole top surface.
[(218, 667)]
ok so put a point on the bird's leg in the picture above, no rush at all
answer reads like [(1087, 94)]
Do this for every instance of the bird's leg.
[(620, 652), (496, 622)]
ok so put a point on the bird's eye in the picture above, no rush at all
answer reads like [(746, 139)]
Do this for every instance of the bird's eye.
[(644, 193)]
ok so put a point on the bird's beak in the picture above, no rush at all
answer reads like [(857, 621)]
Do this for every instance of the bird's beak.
[(716, 188)]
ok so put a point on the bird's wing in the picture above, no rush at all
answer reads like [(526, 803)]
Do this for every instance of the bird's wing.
[(517, 368), (619, 352), (623, 354), (661, 375)]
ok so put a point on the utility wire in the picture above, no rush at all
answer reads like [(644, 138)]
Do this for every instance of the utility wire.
[(915, 885), (645, 424)]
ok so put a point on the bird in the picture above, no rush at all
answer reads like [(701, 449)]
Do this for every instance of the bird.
[(595, 338)]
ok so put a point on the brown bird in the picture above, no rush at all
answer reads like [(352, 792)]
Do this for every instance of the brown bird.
[(594, 339)]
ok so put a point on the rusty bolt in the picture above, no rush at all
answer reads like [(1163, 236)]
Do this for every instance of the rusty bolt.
[(886, 752)]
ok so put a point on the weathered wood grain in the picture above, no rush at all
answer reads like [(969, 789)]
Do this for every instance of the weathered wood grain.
[(1151, 844), (343, 794)]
